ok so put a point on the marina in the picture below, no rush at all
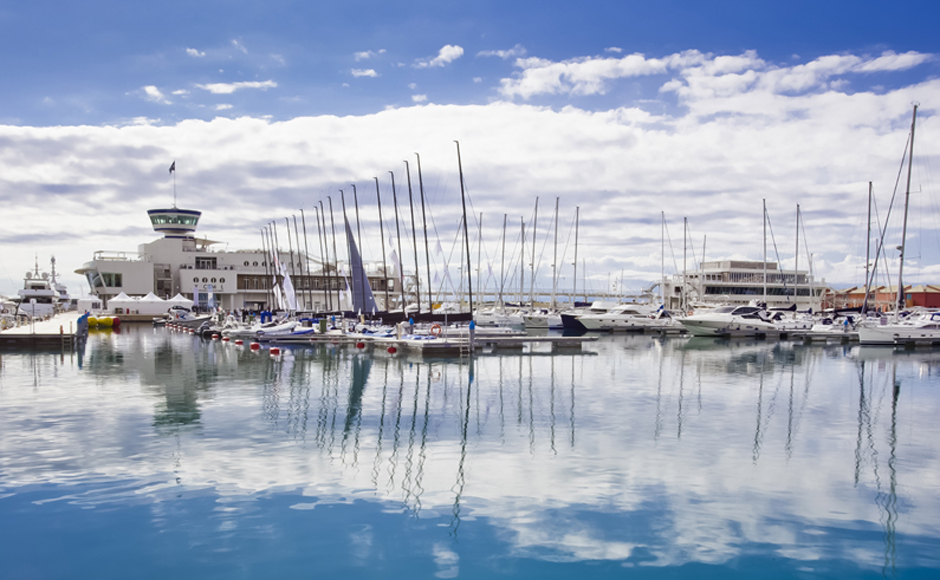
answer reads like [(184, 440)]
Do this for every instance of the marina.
[(687, 456)]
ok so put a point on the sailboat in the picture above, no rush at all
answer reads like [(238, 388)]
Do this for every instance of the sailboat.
[(922, 328)]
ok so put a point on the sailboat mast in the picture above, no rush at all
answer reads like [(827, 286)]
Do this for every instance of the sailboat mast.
[(685, 246), (424, 221), (574, 278), (466, 237), (555, 259), (765, 252), (502, 265), (401, 258), (907, 197), (303, 224), (481, 286), (535, 226), (867, 253), (414, 238), (378, 199), (522, 262), (335, 255), (796, 260)]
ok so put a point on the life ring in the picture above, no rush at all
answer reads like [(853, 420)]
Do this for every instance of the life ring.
[(435, 329)]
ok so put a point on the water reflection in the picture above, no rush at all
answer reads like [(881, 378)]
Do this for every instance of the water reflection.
[(645, 451)]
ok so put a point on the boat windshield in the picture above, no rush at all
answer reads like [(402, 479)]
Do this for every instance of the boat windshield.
[(724, 309)]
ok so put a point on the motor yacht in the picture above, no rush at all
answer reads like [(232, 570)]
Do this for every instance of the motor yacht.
[(729, 320)]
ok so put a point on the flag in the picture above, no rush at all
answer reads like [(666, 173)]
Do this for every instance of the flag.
[(173, 167)]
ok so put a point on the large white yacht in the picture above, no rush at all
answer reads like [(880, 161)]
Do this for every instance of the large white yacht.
[(919, 327), (42, 296), (729, 320), (181, 263)]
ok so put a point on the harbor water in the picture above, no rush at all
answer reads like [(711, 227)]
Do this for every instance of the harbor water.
[(155, 454)]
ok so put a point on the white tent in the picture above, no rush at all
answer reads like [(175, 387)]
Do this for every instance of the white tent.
[(151, 304), (179, 300), (121, 303)]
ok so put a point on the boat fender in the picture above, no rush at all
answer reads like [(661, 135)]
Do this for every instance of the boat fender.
[(435, 329)]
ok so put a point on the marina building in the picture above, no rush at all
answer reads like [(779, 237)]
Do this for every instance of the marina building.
[(181, 263), (739, 282)]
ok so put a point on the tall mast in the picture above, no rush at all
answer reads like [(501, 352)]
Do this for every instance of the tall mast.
[(303, 223), (335, 255), (466, 237), (765, 252), (502, 265), (424, 221), (267, 273), (401, 258), (535, 226), (414, 238), (907, 197), (522, 262), (685, 247), (867, 253), (480, 286), (358, 231), (326, 256), (290, 246), (796, 260), (378, 199), (555, 260), (574, 278)]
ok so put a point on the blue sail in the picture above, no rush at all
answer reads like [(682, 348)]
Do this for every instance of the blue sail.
[(362, 299)]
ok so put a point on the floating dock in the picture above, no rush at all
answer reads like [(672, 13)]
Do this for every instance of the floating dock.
[(61, 332)]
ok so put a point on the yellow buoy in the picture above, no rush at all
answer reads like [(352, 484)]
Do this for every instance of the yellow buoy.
[(105, 321), (92, 322)]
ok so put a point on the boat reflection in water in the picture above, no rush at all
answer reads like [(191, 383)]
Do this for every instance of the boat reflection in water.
[(700, 456)]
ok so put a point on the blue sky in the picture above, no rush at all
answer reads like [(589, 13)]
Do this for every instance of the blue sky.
[(628, 109)]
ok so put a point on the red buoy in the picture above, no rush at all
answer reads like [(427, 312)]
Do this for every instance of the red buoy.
[(115, 321), (215, 336), (392, 350), (274, 351), (225, 339), (255, 346), (360, 345), (239, 342)]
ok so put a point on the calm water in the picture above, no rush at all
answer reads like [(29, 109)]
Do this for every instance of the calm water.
[(161, 455)]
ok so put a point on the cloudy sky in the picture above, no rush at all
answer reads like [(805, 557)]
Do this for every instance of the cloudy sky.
[(627, 111)]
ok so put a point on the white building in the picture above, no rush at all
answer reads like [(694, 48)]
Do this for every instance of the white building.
[(181, 263), (738, 282)]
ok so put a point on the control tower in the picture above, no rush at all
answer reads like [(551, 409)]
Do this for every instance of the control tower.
[(174, 223)]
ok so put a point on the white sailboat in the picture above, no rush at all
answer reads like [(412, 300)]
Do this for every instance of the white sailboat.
[(922, 328)]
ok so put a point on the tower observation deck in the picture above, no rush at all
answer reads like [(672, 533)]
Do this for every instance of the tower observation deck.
[(174, 222)]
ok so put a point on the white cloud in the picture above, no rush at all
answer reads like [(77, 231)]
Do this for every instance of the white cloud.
[(223, 107), (514, 52), (412, 86), (153, 94), (229, 88), (239, 46), (360, 72), (448, 54), (419, 98), (195, 53), (367, 54), (737, 137), (616, 49), (180, 92)]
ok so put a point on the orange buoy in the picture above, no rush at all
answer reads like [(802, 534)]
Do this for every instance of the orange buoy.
[(435, 329)]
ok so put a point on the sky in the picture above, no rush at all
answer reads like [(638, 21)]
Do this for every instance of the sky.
[(630, 114)]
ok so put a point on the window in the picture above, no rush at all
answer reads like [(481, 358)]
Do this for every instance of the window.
[(112, 280), (213, 280), (204, 280), (222, 280), (195, 279), (246, 263)]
